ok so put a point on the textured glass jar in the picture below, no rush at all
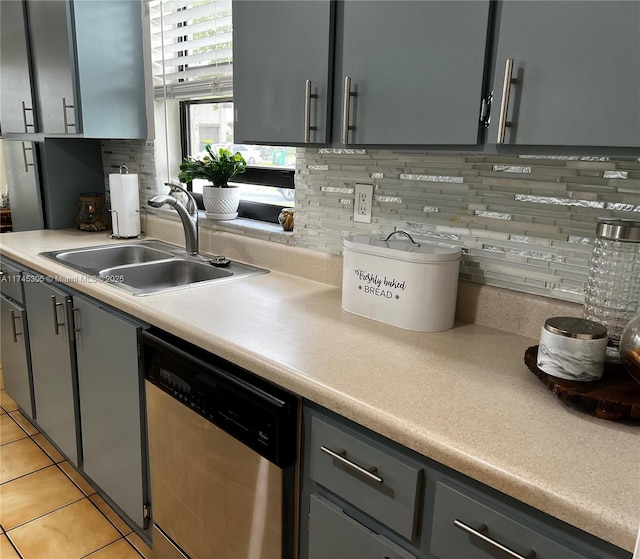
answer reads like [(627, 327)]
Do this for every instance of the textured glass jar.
[(612, 295)]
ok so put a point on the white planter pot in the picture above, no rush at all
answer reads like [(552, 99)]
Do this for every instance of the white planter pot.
[(221, 203)]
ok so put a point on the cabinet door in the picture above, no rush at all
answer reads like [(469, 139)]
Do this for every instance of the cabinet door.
[(16, 105), (576, 67), (23, 185), (416, 71), (14, 347), (277, 47), (109, 380), (53, 63), (333, 534), (52, 362)]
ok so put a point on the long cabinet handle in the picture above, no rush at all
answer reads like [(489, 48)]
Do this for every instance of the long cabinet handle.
[(55, 305), (346, 110), (480, 533), (75, 321), (340, 456), (13, 326), (307, 112), (67, 124), (24, 117), (504, 104), (25, 149)]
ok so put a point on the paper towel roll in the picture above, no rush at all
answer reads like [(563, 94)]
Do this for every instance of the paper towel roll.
[(125, 205)]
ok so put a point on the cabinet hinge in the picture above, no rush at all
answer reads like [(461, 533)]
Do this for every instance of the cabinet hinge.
[(485, 110)]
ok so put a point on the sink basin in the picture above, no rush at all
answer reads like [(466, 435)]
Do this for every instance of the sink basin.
[(147, 267), (152, 277), (96, 259)]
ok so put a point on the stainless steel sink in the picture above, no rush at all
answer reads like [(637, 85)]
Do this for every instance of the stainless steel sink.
[(95, 259), (147, 267)]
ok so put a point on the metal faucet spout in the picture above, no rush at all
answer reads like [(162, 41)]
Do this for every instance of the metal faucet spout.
[(188, 215)]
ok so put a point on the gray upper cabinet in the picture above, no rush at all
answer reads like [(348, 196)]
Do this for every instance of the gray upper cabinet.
[(16, 105), (109, 385), (278, 46), (575, 73), (88, 67), (23, 184), (415, 69)]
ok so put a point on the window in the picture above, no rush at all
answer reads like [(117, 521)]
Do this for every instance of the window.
[(192, 69)]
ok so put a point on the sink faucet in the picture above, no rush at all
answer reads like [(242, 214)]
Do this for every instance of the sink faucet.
[(188, 215)]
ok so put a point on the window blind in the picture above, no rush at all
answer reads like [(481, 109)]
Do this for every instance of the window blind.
[(191, 44)]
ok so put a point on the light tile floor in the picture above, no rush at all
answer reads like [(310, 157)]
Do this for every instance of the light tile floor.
[(48, 510)]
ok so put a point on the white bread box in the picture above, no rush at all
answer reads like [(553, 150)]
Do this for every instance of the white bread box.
[(400, 282)]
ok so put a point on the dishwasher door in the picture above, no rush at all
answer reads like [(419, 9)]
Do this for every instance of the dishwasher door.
[(212, 495)]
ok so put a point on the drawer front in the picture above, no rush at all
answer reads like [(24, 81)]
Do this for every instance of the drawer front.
[(11, 282), (333, 534), (341, 462), (456, 514)]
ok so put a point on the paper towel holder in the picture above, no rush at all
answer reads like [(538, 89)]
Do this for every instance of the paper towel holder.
[(124, 170)]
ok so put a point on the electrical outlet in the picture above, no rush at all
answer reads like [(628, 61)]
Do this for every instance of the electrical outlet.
[(363, 200)]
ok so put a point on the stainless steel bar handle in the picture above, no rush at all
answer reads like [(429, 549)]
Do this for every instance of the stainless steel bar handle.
[(55, 305), (479, 533), (504, 104), (307, 112), (24, 117), (25, 149), (340, 456), (346, 110), (67, 124), (75, 322), (13, 326)]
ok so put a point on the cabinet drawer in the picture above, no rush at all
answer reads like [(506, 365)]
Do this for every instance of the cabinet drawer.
[(333, 534), (455, 513), (11, 282), (341, 462)]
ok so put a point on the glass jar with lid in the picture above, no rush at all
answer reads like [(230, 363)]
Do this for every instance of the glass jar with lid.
[(612, 295), (92, 212)]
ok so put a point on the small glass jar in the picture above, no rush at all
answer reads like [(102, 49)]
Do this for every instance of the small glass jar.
[(630, 347), (92, 213), (612, 294)]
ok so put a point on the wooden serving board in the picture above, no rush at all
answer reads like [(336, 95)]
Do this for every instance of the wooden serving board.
[(615, 396)]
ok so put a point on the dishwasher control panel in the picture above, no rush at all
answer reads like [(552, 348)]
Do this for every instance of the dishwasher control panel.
[(254, 411)]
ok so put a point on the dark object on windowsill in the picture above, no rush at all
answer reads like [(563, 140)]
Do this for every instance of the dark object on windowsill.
[(5, 220), (616, 396)]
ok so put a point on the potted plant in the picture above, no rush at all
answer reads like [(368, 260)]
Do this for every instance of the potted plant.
[(220, 199)]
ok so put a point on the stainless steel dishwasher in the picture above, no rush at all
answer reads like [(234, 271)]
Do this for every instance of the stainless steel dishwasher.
[(222, 456)]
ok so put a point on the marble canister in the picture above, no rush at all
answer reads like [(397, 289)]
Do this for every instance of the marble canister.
[(572, 348)]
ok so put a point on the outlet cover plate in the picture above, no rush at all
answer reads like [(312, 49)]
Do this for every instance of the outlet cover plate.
[(362, 202)]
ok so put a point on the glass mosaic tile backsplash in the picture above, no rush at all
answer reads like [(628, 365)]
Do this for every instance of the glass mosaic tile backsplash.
[(525, 222)]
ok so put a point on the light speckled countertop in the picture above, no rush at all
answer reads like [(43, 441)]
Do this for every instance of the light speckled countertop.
[(462, 397)]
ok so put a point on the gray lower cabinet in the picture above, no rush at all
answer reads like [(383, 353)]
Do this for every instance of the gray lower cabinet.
[(576, 73), (333, 534), (15, 355), (111, 414), (364, 496), (14, 341), (53, 363)]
